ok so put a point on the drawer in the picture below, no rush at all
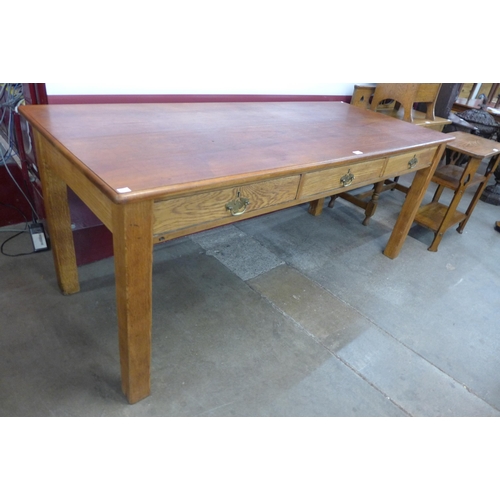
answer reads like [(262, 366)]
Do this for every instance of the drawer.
[(332, 179), (193, 210), (403, 164)]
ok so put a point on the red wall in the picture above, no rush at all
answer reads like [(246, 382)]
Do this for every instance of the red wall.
[(108, 98)]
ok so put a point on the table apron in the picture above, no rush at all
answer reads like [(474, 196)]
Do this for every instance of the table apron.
[(183, 215), (84, 188)]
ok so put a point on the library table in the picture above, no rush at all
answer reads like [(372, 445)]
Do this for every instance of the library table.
[(153, 172)]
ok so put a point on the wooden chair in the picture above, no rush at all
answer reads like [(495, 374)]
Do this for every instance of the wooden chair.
[(404, 95), (362, 96), (407, 95), (396, 100)]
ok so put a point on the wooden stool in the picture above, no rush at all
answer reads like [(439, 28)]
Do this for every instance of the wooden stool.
[(439, 217)]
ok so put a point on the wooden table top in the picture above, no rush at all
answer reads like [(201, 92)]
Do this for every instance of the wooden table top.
[(474, 145), (154, 150)]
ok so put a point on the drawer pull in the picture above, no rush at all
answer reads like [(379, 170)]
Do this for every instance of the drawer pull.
[(238, 206), (413, 162), (347, 179)]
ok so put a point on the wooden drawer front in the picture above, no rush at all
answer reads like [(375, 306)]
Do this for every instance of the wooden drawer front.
[(401, 164), (329, 180), (187, 211)]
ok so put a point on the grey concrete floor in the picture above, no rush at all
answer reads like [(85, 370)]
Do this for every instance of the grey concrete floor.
[(281, 315)]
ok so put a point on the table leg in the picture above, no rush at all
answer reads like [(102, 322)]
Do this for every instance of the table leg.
[(468, 174), (55, 198), (470, 208), (438, 193), (133, 253), (492, 166), (316, 206), (410, 207)]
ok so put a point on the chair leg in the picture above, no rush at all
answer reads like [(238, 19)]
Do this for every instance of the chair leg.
[(372, 204), (395, 183), (332, 200)]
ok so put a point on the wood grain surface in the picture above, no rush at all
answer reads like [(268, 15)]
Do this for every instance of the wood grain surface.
[(154, 150)]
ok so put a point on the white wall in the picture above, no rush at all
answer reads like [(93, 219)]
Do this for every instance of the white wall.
[(210, 86), (235, 47), (211, 47)]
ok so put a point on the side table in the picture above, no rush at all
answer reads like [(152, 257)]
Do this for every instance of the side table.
[(439, 217)]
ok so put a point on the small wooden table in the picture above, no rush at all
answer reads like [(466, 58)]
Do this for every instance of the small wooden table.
[(439, 217), (153, 172)]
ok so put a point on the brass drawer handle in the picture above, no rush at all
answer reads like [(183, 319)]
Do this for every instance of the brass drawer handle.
[(347, 179), (413, 162), (238, 206)]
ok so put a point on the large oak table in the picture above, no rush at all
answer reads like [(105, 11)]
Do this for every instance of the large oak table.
[(153, 172)]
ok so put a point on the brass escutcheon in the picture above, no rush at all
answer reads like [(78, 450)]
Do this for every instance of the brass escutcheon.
[(413, 162), (238, 206), (347, 179)]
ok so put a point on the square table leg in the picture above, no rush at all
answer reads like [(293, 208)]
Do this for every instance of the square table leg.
[(55, 198), (316, 206), (411, 205), (133, 253)]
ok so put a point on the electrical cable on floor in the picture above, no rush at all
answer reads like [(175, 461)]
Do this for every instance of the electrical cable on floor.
[(18, 233), (3, 252)]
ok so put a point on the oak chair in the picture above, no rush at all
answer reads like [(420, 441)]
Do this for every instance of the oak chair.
[(407, 95), (362, 96)]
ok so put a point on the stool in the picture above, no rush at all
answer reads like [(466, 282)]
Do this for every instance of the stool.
[(464, 154)]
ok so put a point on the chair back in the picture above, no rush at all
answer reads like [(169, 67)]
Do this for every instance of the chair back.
[(407, 95), (362, 95)]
